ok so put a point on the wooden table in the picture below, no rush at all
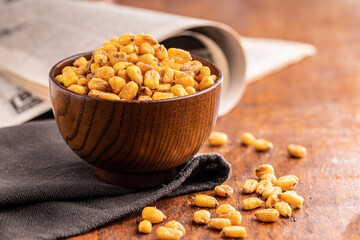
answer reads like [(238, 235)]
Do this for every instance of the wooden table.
[(315, 103)]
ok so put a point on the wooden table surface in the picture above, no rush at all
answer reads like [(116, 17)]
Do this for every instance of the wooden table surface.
[(315, 103)]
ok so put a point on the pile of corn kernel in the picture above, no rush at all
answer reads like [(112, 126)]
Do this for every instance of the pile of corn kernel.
[(136, 67), (276, 193)]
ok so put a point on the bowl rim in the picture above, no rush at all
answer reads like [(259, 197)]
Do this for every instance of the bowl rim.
[(73, 57)]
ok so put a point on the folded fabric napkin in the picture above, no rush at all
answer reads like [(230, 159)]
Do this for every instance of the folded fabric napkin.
[(47, 192)]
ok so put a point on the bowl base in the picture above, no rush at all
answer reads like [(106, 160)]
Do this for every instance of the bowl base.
[(140, 180)]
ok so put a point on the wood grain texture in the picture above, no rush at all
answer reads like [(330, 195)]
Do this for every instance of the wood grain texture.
[(128, 138), (315, 103)]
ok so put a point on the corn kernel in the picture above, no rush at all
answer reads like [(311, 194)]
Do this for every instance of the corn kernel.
[(116, 57), (219, 223), (112, 44), (78, 89), (234, 232), (272, 200), (205, 201), (270, 191), (252, 203), (165, 87), (129, 91), (148, 59), (133, 58), (145, 226), (100, 59), (104, 73), (248, 139), (144, 98), (81, 61), (292, 198), (134, 73), (264, 169), (168, 233), (170, 63), (179, 55), (185, 81), (94, 66), (263, 185), (178, 90), (190, 90), (177, 225), (59, 79), (123, 74), (146, 48), (69, 78), (224, 209), (152, 79), (162, 95), (201, 73), (126, 39), (109, 48), (145, 38), (224, 190), (283, 208), (83, 82), (269, 176), (130, 48), (202, 217), (296, 150), (287, 182), (205, 83), (218, 138), (99, 84), (117, 84), (167, 75), (145, 91), (144, 67), (105, 95), (267, 215), (250, 186), (153, 215), (191, 66), (262, 145), (161, 52), (234, 217), (196, 86), (120, 66)]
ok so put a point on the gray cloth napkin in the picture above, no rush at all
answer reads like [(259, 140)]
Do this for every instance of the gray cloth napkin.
[(47, 192)]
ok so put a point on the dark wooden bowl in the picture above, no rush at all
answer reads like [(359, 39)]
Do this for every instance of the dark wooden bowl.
[(134, 143)]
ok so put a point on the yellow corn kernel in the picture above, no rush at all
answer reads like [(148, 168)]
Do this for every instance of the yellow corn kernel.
[(114, 39), (161, 52), (78, 89), (205, 83), (100, 59), (170, 63), (178, 90), (148, 59), (112, 44), (262, 145), (196, 86), (224, 190), (179, 55), (250, 186), (162, 95), (109, 48), (145, 91), (264, 169), (248, 139), (104, 73), (213, 77), (117, 84), (116, 57), (267, 215), (287, 182), (83, 82), (269, 176), (144, 67), (177, 225), (151, 79), (202, 217), (201, 73), (145, 226), (99, 84), (80, 62), (77, 71), (296, 150), (219, 223), (272, 200), (153, 215), (202, 200), (94, 66), (125, 39), (191, 66), (120, 66), (224, 209), (167, 75), (252, 203), (59, 79), (129, 91), (165, 87), (123, 74), (234, 217), (234, 232), (69, 78), (190, 90), (105, 95), (263, 185), (133, 58), (270, 191), (144, 98), (134, 73), (101, 51), (186, 81), (218, 138), (292, 198), (283, 208), (130, 48), (168, 233), (146, 48), (145, 38)]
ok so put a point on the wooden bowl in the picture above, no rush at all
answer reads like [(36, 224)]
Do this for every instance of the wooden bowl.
[(134, 143)]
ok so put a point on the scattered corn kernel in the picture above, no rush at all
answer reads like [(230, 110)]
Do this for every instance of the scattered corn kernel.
[(262, 145), (264, 169), (177, 225), (296, 150), (234, 232), (224, 208), (224, 190), (272, 200), (234, 217), (219, 223), (202, 217), (168, 233), (145, 226), (269, 176), (270, 191), (252, 203), (287, 182), (292, 198), (153, 215), (202, 200), (263, 185), (267, 215), (250, 186), (283, 208), (218, 138), (248, 139)]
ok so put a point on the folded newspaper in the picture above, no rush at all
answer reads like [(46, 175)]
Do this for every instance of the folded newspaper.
[(34, 35)]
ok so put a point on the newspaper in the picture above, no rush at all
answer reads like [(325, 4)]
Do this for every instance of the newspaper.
[(34, 35)]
